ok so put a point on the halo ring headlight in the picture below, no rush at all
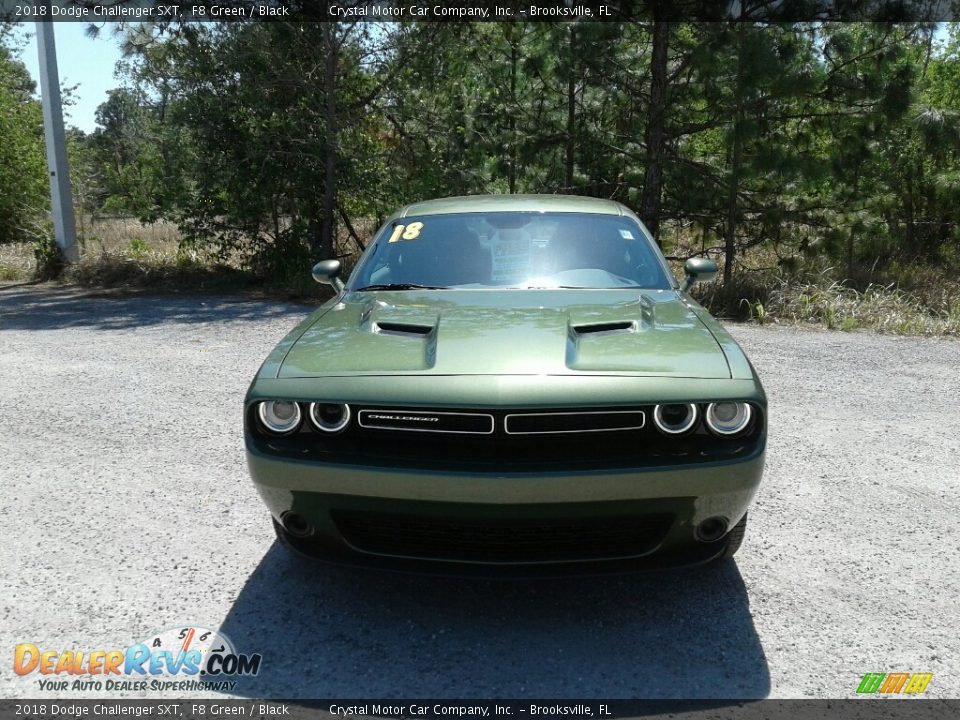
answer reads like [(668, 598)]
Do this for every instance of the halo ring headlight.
[(330, 417), (279, 417), (675, 419), (728, 418)]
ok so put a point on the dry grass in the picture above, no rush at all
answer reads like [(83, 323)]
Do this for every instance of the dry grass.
[(124, 253), (119, 234), (896, 298), (884, 308), (106, 237), (156, 271), (16, 262)]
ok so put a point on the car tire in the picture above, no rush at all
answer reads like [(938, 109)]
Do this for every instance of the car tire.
[(734, 539)]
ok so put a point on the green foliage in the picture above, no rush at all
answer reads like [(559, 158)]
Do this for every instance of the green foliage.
[(138, 247), (23, 180), (48, 259)]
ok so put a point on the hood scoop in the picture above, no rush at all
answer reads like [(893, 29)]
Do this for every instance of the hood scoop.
[(399, 328), (605, 328), (412, 321)]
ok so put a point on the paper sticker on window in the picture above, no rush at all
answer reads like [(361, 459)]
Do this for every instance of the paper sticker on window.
[(626, 235), (511, 257)]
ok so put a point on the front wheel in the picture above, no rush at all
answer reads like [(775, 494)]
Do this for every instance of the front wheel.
[(735, 539)]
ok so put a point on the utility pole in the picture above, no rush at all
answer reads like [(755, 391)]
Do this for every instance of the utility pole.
[(61, 197)]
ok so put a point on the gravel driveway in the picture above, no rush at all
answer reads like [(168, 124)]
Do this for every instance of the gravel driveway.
[(126, 509)]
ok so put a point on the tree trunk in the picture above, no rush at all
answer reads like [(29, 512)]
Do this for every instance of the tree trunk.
[(571, 114), (655, 135), (736, 159), (908, 206), (512, 121), (851, 233), (327, 221)]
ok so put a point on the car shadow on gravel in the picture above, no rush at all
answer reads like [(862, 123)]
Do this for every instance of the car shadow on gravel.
[(45, 308), (335, 633)]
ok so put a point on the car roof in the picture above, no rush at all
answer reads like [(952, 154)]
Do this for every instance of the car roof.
[(515, 203)]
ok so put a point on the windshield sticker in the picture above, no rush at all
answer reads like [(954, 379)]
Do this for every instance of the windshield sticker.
[(626, 235), (511, 258), (406, 232)]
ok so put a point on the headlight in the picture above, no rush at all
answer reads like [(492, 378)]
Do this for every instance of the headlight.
[(728, 418), (330, 417), (280, 417), (675, 419)]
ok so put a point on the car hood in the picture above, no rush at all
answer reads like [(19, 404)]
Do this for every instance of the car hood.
[(507, 332)]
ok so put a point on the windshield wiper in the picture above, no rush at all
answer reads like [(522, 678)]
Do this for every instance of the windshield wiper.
[(556, 287), (399, 286)]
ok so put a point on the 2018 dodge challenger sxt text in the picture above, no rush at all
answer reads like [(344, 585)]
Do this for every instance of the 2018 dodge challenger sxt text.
[(509, 380)]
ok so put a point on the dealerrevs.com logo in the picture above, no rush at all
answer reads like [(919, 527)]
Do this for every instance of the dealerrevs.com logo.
[(183, 658)]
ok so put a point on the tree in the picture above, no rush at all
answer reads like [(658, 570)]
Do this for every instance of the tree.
[(23, 174), (833, 141)]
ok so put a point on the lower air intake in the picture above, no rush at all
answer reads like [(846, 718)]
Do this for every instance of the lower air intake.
[(515, 541)]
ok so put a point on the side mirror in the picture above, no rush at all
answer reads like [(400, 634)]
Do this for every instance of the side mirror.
[(698, 270), (327, 272)]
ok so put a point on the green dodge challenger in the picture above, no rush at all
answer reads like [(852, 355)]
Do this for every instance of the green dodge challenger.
[(511, 381)]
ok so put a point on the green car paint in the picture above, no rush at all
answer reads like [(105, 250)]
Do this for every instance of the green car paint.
[(428, 473)]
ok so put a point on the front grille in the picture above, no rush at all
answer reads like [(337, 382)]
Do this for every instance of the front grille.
[(553, 423), (513, 541)]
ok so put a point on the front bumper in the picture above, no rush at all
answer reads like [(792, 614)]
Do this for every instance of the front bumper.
[(587, 520)]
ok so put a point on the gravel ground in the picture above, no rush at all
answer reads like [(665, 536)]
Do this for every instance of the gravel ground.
[(126, 509)]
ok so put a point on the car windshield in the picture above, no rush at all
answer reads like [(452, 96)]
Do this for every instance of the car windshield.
[(510, 250)]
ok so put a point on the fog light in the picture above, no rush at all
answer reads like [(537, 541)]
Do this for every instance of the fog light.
[(296, 525), (711, 529)]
